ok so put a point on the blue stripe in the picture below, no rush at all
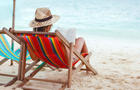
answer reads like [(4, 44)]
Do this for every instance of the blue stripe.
[(44, 52), (54, 50)]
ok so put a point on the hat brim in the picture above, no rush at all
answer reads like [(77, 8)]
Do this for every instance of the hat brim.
[(35, 24)]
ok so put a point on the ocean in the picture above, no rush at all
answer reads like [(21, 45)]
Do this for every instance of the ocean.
[(111, 19)]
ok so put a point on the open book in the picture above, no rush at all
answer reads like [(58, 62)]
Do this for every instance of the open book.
[(69, 34)]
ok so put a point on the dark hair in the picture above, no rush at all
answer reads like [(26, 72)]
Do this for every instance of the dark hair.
[(42, 29), (39, 29)]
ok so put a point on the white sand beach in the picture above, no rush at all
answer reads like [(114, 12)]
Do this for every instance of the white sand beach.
[(117, 64)]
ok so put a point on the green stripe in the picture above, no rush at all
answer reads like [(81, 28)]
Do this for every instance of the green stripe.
[(40, 65)]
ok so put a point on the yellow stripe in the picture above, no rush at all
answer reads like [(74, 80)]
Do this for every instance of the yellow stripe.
[(4, 53), (27, 56), (56, 49), (30, 41), (46, 51)]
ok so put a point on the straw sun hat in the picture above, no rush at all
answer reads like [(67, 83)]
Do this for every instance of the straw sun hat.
[(43, 17)]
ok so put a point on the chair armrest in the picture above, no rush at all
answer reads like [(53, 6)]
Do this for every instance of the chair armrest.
[(5, 30)]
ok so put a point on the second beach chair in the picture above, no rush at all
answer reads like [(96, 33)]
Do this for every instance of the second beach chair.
[(8, 53)]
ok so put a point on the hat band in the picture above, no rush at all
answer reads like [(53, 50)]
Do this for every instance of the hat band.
[(43, 20)]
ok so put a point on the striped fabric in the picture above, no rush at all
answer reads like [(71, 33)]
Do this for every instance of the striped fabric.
[(47, 49), (7, 52)]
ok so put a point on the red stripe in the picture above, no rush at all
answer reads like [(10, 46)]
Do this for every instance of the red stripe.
[(39, 51), (61, 53), (49, 51)]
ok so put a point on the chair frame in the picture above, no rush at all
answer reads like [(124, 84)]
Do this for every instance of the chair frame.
[(23, 47), (21, 69), (71, 70)]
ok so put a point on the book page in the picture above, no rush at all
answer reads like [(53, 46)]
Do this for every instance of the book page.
[(69, 34)]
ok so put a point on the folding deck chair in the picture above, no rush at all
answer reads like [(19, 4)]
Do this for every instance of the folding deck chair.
[(20, 56), (47, 47), (8, 53)]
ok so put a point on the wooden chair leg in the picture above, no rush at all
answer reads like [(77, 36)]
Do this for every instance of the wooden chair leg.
[(69, 77), (23, 70), (87, 70), (20, 64), (11, 62), (70, 66), (63, 87), (22, 61)]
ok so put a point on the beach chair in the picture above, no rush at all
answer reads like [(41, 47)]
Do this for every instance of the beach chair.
[(8, 53), (47, 47)]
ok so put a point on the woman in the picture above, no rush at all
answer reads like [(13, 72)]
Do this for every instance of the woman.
[(43, 22)]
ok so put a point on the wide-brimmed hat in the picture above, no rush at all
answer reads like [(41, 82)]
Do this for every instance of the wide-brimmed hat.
[(43, 17)]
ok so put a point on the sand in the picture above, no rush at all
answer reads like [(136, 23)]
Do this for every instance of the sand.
[(118, 67)]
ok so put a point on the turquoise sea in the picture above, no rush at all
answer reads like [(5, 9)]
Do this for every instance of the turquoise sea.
[(115, 19)]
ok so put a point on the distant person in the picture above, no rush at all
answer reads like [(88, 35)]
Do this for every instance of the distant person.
[(43, 22)]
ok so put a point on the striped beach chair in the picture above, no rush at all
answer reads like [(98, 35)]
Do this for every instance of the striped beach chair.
[(48, 48)]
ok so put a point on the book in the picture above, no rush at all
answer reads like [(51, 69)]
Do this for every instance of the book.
[(69, 34)]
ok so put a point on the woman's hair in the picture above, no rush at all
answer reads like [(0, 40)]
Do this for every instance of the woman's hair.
[(39, 29), (42, 29)]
